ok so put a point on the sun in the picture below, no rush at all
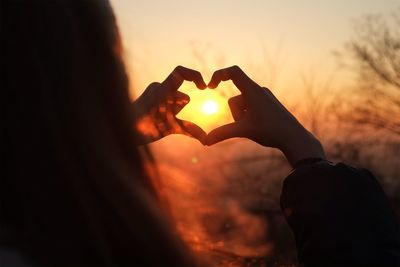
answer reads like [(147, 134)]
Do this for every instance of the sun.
[(209, 107)]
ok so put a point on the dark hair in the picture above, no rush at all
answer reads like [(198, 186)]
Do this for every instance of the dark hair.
[(74, 190)]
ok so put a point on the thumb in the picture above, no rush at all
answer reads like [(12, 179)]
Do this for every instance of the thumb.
[(224, 132), (192, 130)]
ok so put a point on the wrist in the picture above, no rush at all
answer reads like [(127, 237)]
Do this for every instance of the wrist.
[(302, 146)]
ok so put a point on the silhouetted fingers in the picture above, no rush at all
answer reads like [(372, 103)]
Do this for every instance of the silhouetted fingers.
[(192, 130), (224, 132), (146, 102), (181, 74), (153, 95), (238, 107), (238, 77), (177, 102), (161, 119), (152, 86)]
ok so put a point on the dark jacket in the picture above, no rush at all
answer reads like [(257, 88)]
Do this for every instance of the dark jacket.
[(340, 217)]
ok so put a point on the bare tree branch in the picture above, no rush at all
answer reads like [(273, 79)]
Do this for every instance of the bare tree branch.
[(375, 52)]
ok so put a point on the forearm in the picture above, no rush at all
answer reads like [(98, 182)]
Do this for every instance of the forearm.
[(300, 146)]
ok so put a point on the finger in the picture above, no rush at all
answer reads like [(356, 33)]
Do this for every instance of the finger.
[(238, 77), (145, 102), (181, 97), (152, 86), (192, 130), (224, 132), (181, 74), (151, 93), (178, 107), (177, 102), (237, 106), (161, 117)]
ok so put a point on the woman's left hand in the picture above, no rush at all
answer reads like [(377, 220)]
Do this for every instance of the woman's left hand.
[(156, 108)]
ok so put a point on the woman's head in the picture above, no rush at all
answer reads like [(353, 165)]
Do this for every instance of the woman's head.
[(75, 190)]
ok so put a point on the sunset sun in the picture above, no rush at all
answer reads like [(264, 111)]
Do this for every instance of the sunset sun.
[(207, 108), (210, 107)]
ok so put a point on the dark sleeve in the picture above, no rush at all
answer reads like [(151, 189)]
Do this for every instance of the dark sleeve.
[(340, 217)]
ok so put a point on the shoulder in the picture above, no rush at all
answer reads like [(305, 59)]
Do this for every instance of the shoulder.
[(324, 183), (329, 173)]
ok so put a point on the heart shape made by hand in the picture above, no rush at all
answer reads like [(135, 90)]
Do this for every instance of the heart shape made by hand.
[(158, 109), (207, 108)]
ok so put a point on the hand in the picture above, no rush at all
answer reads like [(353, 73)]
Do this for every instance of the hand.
[(156, 108), (260, 117)]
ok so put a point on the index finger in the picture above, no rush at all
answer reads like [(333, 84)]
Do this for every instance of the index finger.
[(238, 77), (181, 74)]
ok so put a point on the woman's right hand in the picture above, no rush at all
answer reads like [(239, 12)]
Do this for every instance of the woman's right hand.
[(260, 117)]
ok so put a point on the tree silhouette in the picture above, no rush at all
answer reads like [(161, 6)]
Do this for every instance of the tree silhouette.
[(374, 54)]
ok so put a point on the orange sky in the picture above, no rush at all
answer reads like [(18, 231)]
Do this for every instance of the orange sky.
[(274, 41), (280, 44)]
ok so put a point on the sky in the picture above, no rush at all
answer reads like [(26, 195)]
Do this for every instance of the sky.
[(275, 42)]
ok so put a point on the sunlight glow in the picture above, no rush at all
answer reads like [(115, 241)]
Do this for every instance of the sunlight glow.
[(207, 108), (210, 107)]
